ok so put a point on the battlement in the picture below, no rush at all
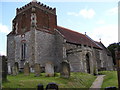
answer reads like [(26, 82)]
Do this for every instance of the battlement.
[(38, 5)]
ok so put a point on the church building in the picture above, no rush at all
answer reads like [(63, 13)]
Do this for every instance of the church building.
[(36, 38)]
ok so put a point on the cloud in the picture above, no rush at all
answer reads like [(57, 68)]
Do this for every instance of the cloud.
[(100, 22), (86, 13), (113, 11), (4, 29), (2, 53), (108, 34)]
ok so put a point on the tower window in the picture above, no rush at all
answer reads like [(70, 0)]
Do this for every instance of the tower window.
[(23, 51)]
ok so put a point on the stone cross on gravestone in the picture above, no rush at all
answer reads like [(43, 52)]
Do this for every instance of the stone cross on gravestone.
[(65, 69), (26, 69), (37, 70), (49, 69)]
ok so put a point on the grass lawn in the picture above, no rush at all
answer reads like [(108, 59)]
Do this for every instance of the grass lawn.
[(110, 80), (77, 80)]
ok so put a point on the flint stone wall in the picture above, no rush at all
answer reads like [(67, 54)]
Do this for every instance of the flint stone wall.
[(77, 57), (11, 49), (41, 47)]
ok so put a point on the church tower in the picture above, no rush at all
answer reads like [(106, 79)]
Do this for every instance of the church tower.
[(34, 14), (32, 38)]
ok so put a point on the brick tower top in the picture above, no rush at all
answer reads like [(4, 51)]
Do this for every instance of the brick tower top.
[(38, 5), (34, 15)]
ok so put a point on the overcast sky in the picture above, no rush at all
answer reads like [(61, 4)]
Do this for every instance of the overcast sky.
[(98, 19)]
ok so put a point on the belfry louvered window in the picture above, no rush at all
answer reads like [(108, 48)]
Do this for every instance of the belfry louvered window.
[(23, 51)]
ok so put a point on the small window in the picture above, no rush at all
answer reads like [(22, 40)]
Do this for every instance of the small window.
[(23, 51)]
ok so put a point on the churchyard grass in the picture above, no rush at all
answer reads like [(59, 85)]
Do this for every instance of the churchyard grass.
[(110, 80), (77, 80)]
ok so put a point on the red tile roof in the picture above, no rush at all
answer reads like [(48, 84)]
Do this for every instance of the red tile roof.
[(77, 38)]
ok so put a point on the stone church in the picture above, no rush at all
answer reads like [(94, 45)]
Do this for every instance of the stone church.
[(36, 38)]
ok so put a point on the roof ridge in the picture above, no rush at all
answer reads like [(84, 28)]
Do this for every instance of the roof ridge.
[(93, 41)]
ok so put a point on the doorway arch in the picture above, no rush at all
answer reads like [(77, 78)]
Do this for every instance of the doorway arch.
[(88, 63)]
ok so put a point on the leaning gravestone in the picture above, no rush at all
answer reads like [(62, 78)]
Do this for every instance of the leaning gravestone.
[(65, 69), (4, 68), (37, 70), (26, 69), (49, 69)]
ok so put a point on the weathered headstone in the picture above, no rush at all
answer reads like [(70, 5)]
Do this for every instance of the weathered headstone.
[(15, 69), (26, 69), (9, 69), (37, 70), (49, 69), (4, 68), (65, 69)]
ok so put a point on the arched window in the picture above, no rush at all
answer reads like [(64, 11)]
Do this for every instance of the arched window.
[(23, 51)]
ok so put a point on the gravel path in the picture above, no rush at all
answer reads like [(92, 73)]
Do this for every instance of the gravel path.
[(97, 83)]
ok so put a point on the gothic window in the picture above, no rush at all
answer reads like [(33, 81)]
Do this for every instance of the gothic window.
[(23, 51)]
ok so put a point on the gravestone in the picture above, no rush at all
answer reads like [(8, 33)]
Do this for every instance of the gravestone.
[(37, 70), (49, 69), (9, 69), (26, 69), (65, 69), (4, 68), (15, 69)]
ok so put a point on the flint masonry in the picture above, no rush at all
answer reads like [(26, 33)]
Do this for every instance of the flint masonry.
[(36, 38)]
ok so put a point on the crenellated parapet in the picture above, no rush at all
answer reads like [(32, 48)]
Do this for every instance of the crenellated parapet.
[(38, 5)]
